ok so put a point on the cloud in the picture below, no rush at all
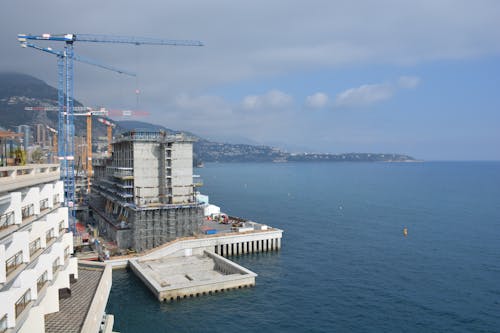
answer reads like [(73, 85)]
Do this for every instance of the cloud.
[(272, 99), (317, 101), (364, 95), (408, 82), (369, 94)]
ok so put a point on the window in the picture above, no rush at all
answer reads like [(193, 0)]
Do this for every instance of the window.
[(35, 246), (28, 211), (49, 235), (44, 204), (42, 280), (6, 220), (13, 262), (23, 302)]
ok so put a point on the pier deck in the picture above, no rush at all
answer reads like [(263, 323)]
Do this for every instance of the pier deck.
[(174, 278)]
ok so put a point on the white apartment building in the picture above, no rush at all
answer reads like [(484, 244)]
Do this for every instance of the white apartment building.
[(37, 268)]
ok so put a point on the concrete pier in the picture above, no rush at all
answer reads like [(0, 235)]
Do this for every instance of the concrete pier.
[(175, 278), (195, 266)]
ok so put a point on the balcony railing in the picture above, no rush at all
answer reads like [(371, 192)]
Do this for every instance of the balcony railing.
[(44, 204), (55, 266), (35, 246), (62, 229), (42, 280), (23, 302), (55, 200), (67, 253), (49, 235), (3, 324), (13, 262), (28, 211), (6, 220)]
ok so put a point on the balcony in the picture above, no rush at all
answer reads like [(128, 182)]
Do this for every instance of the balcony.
[(23, 302), (14, 177), (42, 281), (13, 262), (6, 220)]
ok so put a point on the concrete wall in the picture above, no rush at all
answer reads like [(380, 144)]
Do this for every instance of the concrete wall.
[(96, 311), (182, 172), (15, 177), (146, 172), (199, 245)]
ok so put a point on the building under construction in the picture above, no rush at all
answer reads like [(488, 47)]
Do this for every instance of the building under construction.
[(143, 195)]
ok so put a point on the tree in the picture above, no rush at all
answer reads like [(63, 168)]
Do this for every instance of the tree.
[(38, 156)]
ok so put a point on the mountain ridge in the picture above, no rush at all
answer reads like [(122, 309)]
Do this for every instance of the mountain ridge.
[(18, 91)]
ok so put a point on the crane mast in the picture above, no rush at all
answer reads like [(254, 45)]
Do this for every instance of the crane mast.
[(67, 64)]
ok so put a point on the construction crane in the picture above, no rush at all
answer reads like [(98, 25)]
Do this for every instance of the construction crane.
[(110, 126), (105, 112), (89, 112), (69, 40), (65, 116)]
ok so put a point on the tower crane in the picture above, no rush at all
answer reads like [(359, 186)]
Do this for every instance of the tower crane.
[(69, 40), (65, 117), (109, 126)]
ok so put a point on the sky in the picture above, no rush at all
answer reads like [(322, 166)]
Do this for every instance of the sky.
[(387, 76)]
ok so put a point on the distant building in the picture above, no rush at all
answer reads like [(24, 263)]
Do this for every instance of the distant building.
[(40, 135), (43, 288), (144, 195), (26, 130)]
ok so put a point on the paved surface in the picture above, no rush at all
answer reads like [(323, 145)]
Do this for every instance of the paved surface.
[(171, 272), (73, 310)]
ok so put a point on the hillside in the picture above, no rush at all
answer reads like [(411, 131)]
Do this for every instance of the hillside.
[(18, 91)]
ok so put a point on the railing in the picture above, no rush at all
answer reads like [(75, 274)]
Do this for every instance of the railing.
[(28, 211), (49, 235), (13, 177), (13, 262), (123, 173), (55, 200), (35, 246), (23, 302), (3, 324), (6, 220), (55, 266), (67, 253), (42, 280), (44, 204), (61, 227)]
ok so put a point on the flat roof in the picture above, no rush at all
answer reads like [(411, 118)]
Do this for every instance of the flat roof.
[(73, 310)]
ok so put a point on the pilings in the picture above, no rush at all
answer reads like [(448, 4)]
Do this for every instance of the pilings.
[(244, 247)]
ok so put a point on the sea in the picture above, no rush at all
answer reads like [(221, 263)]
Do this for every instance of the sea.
[(345, 263)]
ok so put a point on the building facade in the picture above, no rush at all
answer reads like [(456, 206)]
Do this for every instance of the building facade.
[(37, 269), (144, 196)]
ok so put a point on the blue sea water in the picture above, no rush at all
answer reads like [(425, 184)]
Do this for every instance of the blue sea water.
[(345, 265)]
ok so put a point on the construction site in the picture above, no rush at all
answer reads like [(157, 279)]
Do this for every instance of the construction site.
[(144, 194), (130, 199)]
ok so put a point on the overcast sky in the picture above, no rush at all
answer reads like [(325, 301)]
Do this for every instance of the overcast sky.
[(416, 77)]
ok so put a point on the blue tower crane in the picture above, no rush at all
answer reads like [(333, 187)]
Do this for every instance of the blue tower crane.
[(67, 65), (65, 119)]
